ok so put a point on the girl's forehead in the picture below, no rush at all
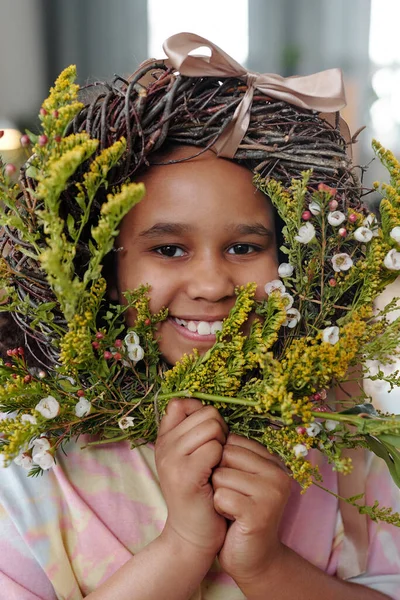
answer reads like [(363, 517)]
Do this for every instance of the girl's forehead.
[(205, 182), (182, 169), (202, 193)]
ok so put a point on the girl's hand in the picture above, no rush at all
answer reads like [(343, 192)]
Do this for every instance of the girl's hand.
[(189, 445), (251, 490)]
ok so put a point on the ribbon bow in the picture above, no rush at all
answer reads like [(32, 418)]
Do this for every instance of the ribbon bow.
[(323, 91)]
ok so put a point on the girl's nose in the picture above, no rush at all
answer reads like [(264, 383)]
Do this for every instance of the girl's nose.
[(209, 280)]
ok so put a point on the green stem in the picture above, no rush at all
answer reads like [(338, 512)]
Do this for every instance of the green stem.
[(210, 397), (338, 417), (119, 438)]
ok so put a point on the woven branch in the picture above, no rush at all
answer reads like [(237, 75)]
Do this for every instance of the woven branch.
[(281, 142)]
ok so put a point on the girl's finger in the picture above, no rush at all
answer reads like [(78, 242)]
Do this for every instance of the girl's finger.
[(234, 480), (203, 432), (188, 416), (249, 458), (231, 504), (177, 411), (207, 457)]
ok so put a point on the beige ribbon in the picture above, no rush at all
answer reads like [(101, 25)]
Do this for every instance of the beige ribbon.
[(322, 92)]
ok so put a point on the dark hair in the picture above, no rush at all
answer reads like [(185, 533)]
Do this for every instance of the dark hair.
[(157, 107)]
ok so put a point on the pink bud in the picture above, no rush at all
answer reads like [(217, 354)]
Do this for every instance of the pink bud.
[(107, 355), (342, 232), (55, 114), (1, 133), (118, 343), (332, 282), (43, 112), (57, 138), (301, 430), (43, 139), (333, 204), (317, 397), (25, 141), (353, 217), (9, 169), (306, 216)]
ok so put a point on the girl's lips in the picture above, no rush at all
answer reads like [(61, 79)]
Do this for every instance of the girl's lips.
[(191, 335)]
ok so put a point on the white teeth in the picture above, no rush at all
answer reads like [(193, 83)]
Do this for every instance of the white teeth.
[(181, 322), (203, 328), (200, 327), (192, 326), (216, 326)]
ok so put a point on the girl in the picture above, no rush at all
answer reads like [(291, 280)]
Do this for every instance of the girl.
[(111, 523)]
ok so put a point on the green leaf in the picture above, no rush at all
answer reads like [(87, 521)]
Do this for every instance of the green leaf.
[(67, 386), (71, 225), (389, 454), (359, 409), (393, 440), (32, 172)]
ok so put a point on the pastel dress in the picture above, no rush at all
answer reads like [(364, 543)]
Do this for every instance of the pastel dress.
[(64, 533)]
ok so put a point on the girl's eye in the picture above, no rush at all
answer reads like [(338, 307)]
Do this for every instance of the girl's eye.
[(242, 249), (170, 251)]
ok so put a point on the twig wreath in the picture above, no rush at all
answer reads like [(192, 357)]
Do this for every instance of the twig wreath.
[(80, 370)]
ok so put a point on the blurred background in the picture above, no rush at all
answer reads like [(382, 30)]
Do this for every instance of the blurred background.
[(290, 37)]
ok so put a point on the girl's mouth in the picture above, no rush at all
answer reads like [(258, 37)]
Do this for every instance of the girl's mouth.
[(204, 330)]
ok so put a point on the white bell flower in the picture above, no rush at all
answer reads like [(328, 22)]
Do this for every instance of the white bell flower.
[(330, 425), (285, 270), (331, 335), (363, 234), (395, 234), (341, 262), (392, 260), (336, 218), (275, 284), (305, 234), (24, 460), (300, 450), (45, 460), (372, 224), (132, 339), (39, 447), (313, 429), (314, 208), (135, 352), (82, 407), (288, 300), (48, 407), (126, 422), (293, 317)]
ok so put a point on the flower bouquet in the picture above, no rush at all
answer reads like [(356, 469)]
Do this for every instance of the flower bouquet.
[(316, 328)]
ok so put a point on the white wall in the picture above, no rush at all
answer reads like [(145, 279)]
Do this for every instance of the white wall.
[(22, 59)]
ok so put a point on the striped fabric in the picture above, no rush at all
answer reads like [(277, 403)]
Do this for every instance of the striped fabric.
[(63, 534)]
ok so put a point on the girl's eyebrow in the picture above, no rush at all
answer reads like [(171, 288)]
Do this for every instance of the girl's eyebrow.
[(251, 229), (166, 228), (181, 228)]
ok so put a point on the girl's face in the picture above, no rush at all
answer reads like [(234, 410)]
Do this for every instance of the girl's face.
[(201, 230)]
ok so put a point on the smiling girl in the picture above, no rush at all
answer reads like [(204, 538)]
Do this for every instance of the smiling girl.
[(202, 231), (206, 514)]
